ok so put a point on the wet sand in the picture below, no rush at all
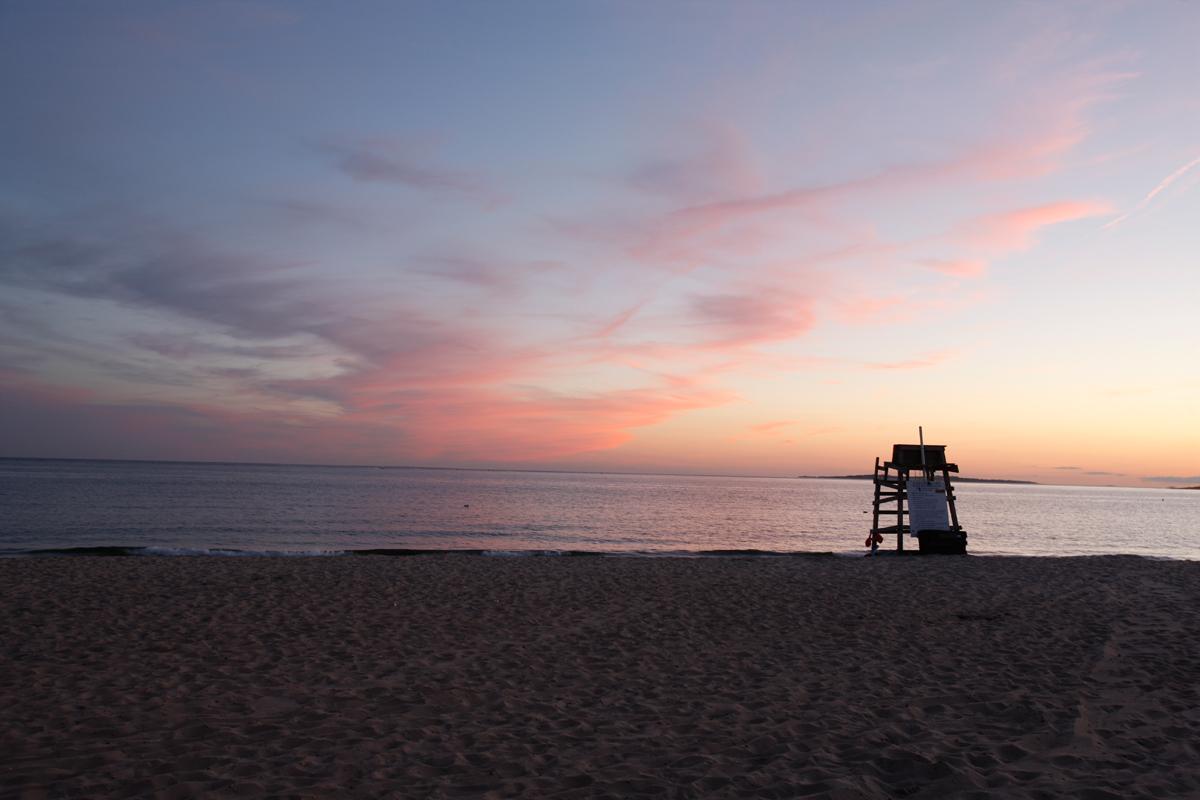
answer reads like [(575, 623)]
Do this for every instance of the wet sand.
[(449, 676)]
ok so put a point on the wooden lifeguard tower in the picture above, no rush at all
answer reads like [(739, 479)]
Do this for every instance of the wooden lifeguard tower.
[(914, 487)]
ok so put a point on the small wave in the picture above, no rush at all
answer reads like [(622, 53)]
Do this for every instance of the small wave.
[(409, 551), (753, 553), (82, 551), (231, 552), (121, 551)]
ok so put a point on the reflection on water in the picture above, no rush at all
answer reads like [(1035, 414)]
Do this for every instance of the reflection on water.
[(53, 504)]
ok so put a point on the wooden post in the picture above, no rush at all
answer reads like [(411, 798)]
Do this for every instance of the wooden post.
[(875, 518), (950, 499), (901, 493), (921, 435)]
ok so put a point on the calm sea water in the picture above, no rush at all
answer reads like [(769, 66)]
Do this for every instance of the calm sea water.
[(176, 507)]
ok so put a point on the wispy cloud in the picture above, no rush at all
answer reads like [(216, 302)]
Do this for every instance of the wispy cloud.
[(720, 164), (392, 161), (619, 321), (496, 275), (1162, 186), (409, 380), (183, 346), (305, 213), (740, 319)]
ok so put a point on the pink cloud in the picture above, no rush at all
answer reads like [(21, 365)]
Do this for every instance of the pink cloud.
[(767, 427), (863, 310), (1014, 230), (412, 385), (959, 268), (538, 424), (847, 364), (732, 320), (467, 424), (1013, 160), (931, 360), (897, 309)]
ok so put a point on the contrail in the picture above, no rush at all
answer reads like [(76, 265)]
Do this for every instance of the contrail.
[(1163, 184)]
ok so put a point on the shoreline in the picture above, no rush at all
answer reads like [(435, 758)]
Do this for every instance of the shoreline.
[(453, 676), (152, 551)]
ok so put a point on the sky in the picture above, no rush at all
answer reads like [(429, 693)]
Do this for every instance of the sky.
[(761, 238)]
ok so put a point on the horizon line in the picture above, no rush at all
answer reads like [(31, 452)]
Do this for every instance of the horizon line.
[(517, 469), (400, 466)]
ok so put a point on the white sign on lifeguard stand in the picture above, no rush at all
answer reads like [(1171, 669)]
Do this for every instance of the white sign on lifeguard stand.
[(927, 505)]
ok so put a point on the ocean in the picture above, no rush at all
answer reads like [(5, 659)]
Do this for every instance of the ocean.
[(191, 508)]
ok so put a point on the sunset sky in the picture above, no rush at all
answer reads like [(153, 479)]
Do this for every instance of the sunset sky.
[(740, 238)]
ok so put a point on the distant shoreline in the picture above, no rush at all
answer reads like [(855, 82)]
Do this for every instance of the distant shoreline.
[(956, 479)]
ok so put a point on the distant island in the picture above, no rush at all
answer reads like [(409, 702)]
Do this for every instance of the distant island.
[(956, 479), (1189, 488)]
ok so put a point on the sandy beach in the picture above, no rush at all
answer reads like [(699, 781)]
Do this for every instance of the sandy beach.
[(454, 676)]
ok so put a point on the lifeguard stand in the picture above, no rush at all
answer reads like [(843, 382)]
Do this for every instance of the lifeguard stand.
[(918, 500)]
